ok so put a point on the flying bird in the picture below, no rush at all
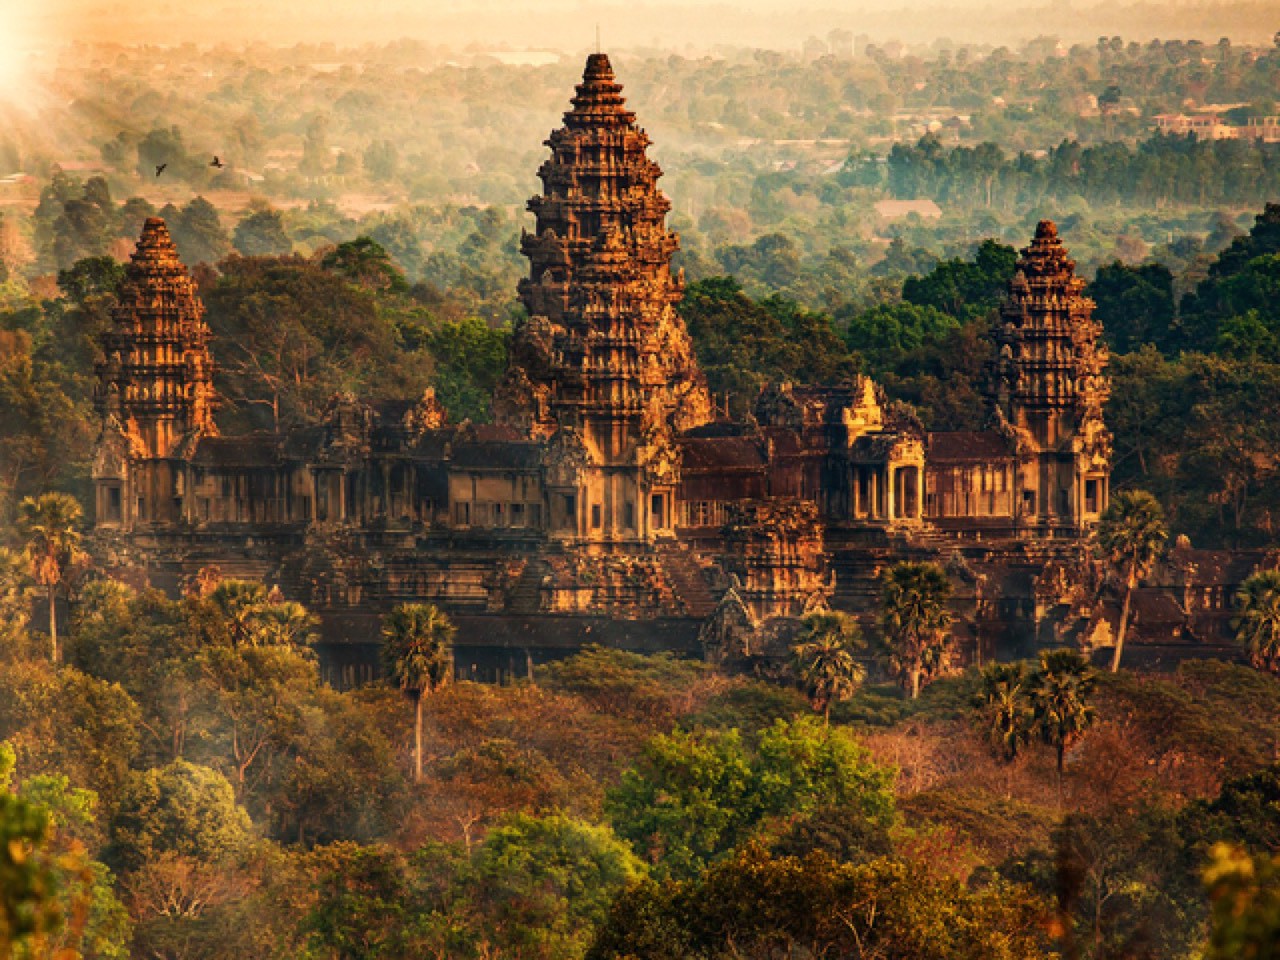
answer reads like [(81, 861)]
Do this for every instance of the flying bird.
[(160, 168), (217, 162)]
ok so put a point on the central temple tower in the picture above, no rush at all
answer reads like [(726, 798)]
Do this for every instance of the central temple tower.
[(603, 369), (1049, 387)]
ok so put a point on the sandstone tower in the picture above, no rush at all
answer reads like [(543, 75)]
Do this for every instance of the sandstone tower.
[(155, 384), (1049, 387), (603, 368)]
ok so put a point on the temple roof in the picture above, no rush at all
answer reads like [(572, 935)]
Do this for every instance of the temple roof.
[(599, 100), (967, 446), (497, 455), (253, 450), (721, 453)]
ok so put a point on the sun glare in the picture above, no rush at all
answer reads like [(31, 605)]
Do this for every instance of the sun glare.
[(15, 60)]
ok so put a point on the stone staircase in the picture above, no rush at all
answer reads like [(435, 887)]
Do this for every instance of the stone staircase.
[(687, 580), (525, 597)]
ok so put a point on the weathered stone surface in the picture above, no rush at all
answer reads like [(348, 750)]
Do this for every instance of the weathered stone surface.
[(608, 499)]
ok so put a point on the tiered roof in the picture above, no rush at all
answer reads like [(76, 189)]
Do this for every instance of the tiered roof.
[(157, 374), (603, 341), (1050, 359)]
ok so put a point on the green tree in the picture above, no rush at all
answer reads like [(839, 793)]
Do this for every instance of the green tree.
[(241, 604), (15, 574), (198, 232), (915, 623), (693, 797), (1257, 624), (754, 906), (966, 290), (261, 233), (54, 900), (889, 334), (1134, 304), (417, 653), (1059, 691), (544, 884), (48, 522), (1245, 891), (182, 809), (825, 659), (366, 262), (1131, 537), (1004, 709), (367, 904), (30, 883)]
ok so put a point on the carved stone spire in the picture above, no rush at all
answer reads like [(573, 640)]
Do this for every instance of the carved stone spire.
[(603, 361), (1049, 381), (156, 377), (603, 340)]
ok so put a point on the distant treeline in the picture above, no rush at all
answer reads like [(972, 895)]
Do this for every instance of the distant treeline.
[(1161, 170)]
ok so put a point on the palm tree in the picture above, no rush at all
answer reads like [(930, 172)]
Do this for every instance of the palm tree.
[(241, 604), (416, 650), (915, 622), (824, 659), (1258, 623), (1005, 708), (285, 624), (1059, 693), (1131, 537), (53, 544)]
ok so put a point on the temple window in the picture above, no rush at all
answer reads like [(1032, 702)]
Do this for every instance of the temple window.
[(596, 516), (112, 505), (517, 515), (1091, 496)]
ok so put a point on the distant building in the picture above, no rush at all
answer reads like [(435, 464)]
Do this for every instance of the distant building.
[(840, 44), (1266, 129), (1205, 126)]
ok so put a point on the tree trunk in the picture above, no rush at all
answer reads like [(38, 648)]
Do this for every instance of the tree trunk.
[(915, 684), (417, 740), (1124, 623), (53, 622), (826, 714)]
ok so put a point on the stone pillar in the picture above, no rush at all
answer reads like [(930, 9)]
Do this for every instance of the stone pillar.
[(891, 481)]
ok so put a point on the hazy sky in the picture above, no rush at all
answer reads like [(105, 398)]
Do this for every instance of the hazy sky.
[(569, 25)]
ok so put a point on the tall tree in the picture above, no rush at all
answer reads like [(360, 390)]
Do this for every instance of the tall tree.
[(1004, 708), (241, 604), (1059, 691), (915, 623), (48, 522), (417, 653), (261, 233), (825, 660), (1258, 623), (1131, 537)]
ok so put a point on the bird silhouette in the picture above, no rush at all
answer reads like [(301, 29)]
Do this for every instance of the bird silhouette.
[(160, 168), (217, 162)]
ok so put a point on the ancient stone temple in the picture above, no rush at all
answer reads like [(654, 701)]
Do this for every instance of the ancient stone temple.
[(603, 368), (1043, 468), (155, 387), (607, 502), (1049, 387)]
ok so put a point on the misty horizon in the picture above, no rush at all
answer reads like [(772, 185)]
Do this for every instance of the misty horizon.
[(570, 28)]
